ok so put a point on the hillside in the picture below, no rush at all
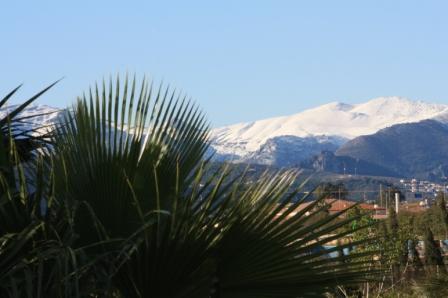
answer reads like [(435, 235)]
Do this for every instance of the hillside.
[(412, 150)]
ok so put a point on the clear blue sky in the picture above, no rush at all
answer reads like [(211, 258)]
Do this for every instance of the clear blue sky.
[(240, 60)]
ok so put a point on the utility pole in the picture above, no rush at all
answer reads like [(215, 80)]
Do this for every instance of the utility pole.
[(388, 196), (381, 195), (387, 200), (397, 202)]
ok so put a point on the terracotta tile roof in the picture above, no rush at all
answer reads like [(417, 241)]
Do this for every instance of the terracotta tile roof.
[(337, 205)]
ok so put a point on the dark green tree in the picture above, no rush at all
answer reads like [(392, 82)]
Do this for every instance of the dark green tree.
[(441, 204), (433, 256), (392, 222), (407, 235), (330, 190), (430, 218), (393, 242)]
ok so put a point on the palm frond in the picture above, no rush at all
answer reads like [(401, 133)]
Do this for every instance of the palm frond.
[(35, 255), (117, 144), (12, 125), (129, 160)]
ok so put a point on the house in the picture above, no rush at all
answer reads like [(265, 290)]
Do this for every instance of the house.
[(338, 205)]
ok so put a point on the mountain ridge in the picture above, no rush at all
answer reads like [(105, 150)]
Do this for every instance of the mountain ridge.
[(334, 120), (416, 150), (401, 148)]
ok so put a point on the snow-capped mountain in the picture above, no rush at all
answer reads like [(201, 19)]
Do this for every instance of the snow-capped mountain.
[(290, 151), (289, 140), (336, 120), (34, 117)]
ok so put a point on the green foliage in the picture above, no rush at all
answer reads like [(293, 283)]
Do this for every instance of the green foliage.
[(35, 255), (359, 219), (12, 127), (35, 259), (395, 243), (337, 191), (432, 218), (395, 239), (130, 148), (433, 256), (441, 204), (124, 205)]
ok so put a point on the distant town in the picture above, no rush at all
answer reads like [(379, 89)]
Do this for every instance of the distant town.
[(421, 190)]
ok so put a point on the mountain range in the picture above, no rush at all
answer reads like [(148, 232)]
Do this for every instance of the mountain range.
[(386, 136)]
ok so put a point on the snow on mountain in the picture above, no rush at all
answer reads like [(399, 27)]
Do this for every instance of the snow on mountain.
[(290, 151), (46, 114), (333, 119), (39, 117), (288, 140)]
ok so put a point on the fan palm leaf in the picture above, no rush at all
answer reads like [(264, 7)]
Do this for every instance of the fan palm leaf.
[(13, 125), (129, 159), (35, 255), (35, 237), (117, 144)]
